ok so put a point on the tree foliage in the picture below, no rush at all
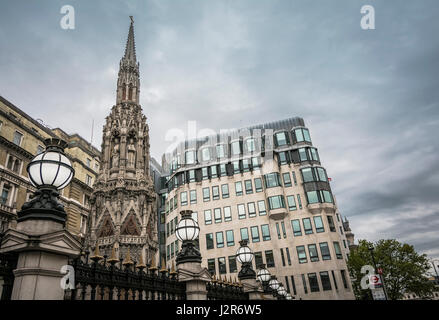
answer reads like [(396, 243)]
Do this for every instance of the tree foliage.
[(404, 270)]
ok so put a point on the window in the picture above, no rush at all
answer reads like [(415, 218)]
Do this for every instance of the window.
[(291, 203), (313, 255), (207, 217), (314, 154), (190, 157), (258, 184), (227, 214), (337, 248), (250, 145), (220, 151), (301, 254), (303, 154), (322, 174), (331, 223), (172, 249), (313, 282), (333, 279), (241, 211), (255, 163), (5, 194), (213, 172), (299, 201), (215, 193), (294, 178), (248, 187), (293, 284), (244, 234), (211, 266), (295, 224), (206, 194), (288, 256), (278, 230), (88, 180), (236, 148), (209, 241), (287, 179), (230, 238), (326, 196), (223, 171), (307, 175), (232, 264), (219, 239), (222, 265), (282, 158), (205, 154), (265, 232), (236, 168), (305, 289), (217, 215), (225, 190), (183, 198), (261, 207), (318, 223), (341, 230), (282, 257), (343, 277), (88, 161), (307, 226), (272, 180), (17, 138), (324, 250), (204, 173), (191, 176), (251, 209), (312, 197), (255, 234), (283, 229), (258, 259), (193, 196), (269, 258), (276, 202), (245, 165), (281, 139), (302, 135), (238, 188)]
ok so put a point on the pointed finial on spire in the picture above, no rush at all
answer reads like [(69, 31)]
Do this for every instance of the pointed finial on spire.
[(97, 256), (130, 49), (128, 260), (113, 258), (132, 19), (152, 267), (141, 265)]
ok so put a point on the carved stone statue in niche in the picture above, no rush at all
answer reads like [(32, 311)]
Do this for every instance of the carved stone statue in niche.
[(115, 154), (131, 153)]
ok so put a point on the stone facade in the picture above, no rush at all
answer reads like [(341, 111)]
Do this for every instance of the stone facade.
[(124, 202)]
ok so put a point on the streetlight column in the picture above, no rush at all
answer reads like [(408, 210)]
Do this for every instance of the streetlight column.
[(247, 275), (371, 249)]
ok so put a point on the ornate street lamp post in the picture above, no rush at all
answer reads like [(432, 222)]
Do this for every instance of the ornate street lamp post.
[(244, 255), (281, 291), (264, 277), (187, 231), (49, 172)]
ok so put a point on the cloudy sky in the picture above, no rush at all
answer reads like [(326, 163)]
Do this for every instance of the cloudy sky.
[(369, 97)]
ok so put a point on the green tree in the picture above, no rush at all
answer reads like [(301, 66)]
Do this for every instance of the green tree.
[(404, 270)]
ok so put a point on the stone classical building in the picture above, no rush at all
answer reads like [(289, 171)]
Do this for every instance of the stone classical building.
[(124, 201), (265, 184), (21, 138)]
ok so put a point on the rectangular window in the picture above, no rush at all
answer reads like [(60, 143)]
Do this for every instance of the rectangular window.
[(209, 241), (193, 196), (276, 202), (241, 211), (211, 266), (255, 163), (225, 190), (331, 223), (172, 249), (255, 234), (295, 224), (283, 229), (245, 165), (265, 232), (282, 257), (313, 282), (238, 188), (258, 184), (244, 234), (204, 173), (219, 239), (223, 171), (313, 255), (282, 158), (168, 252), (248, 187), (324, 251), (341, 230), (17, 138), (232, 264), (312, 197), (278, 230), (261, 207), (287, 179), (294, 178), (236, 148), (230, 238), (217, 215), (303, 154), (281, 139), (222, 265), (293, 284), (251, 209), (318, 223), (337, 248), (183, 198), (258, 259), (236, 168), (301, 254), (207, 216), (88, 180), (220, 151), (299, 201), (227, 214), (291, 203), (305, 289), (288, 256), (190, 157), (269, 258), (191, 175), (307, 226), (272, 180), (326, 282), (314, 154), (215, 193), (213, 172), (206, 194), (333, 279), (307, 175)]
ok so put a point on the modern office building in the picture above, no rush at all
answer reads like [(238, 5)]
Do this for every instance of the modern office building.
[(265, 184)]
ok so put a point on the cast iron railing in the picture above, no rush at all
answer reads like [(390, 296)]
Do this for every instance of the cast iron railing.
[(102, 280), (225, 291)]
